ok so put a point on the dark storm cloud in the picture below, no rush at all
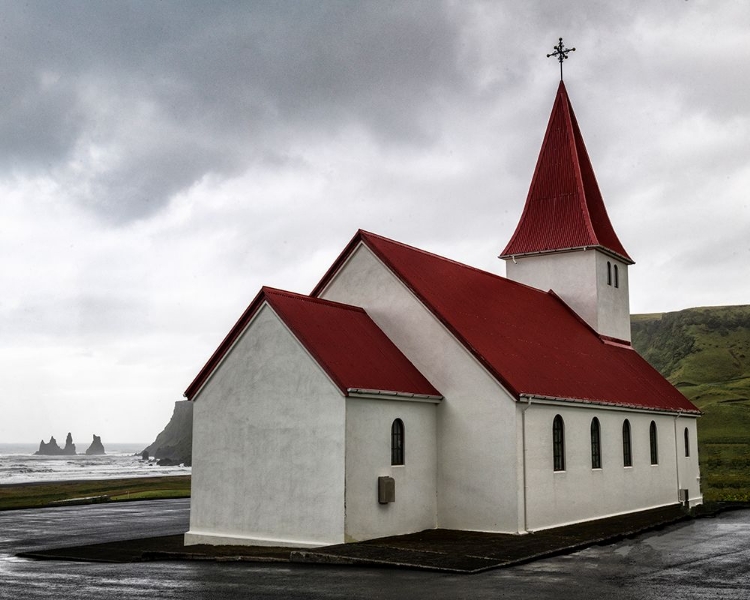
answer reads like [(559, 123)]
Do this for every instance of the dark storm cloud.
[(109, 84)]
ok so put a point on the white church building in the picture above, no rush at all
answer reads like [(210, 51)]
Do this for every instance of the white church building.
[(409, 391)]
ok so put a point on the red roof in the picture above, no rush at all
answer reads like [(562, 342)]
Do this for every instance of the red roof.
[(343, 339), (564, 208), (529, 340)]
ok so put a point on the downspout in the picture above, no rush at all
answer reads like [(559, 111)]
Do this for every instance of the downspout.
[(677, 453), (523, 443)]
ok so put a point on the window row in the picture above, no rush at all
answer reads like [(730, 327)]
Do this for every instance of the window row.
[(558, 444), (612, 270)]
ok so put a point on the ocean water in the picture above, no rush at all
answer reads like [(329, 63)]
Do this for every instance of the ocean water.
[(19, 465)]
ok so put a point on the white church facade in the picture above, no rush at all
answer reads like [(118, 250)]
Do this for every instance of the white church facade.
[(410, 392)]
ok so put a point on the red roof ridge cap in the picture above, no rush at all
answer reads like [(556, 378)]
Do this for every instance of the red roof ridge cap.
[(224, 346), (336, 264), (364, 236), (569, 116), (437, 313), (305, 298), (450, 260)]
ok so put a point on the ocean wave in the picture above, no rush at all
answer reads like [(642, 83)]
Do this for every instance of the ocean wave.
[(15, 468)]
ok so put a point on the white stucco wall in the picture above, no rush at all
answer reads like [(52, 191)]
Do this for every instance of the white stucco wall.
[(688, 466), (368, 456), (580, 279), (581, 493), (268, 446), (613, 302), (477, 469)]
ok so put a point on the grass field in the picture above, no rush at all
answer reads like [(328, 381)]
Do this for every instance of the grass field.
[(37, 495), (705, 352)]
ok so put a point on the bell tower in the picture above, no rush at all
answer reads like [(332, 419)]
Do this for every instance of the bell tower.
[(565, 241)]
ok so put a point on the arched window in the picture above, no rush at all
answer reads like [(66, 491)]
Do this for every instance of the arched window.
[(558, 443), (654, 444), (617, 278), (609, 273), (397, 442), (687, 442), (596, 446), (627, 454)]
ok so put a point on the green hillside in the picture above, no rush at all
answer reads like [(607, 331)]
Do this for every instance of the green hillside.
[(705, 352)]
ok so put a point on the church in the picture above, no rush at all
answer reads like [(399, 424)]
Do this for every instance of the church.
[(408, 391)]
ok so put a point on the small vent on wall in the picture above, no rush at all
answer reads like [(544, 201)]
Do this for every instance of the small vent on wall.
[(386, 490)]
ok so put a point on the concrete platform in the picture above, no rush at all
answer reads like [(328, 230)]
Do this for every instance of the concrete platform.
[(433, 549), (473, 552)]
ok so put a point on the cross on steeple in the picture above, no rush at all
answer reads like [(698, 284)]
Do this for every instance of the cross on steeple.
[(561, 52)]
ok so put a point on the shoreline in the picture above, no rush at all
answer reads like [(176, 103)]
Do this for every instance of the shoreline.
[(92, 480), (43, 494)]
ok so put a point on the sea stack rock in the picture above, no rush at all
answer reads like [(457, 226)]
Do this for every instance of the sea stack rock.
[(96, 446), (70, 447), (50, 448)]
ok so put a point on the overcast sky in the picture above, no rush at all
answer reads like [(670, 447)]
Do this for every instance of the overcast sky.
[(160, 161)]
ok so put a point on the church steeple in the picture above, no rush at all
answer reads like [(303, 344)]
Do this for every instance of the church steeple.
[(564, 208), (565, 241)]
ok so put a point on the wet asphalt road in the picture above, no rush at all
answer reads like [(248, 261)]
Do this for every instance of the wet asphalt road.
[(705, 558)]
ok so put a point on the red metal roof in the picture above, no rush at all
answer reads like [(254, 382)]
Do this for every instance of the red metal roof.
[(564, 208), (530, 340), (343, 339)]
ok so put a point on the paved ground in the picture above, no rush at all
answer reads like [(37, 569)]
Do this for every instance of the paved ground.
[(705, 558)]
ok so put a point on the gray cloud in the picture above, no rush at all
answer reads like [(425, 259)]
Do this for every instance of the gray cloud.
[(236, 80), (159, 162)]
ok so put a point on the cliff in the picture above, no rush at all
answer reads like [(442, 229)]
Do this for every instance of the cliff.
[(175, 443), (704, 352)]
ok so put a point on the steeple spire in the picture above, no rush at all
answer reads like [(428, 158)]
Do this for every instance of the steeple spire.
[(564, 208), (564, 241)]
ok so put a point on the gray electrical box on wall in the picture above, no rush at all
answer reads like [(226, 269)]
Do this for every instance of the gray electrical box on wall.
[(386, 490)]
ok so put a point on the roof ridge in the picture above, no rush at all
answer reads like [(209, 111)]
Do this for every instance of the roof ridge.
[(450, 260), (580, 319), (267, 290), (571, 132)]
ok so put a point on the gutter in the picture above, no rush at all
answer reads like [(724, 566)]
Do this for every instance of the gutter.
[(540, 398), (677, 455), (391, 395)]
